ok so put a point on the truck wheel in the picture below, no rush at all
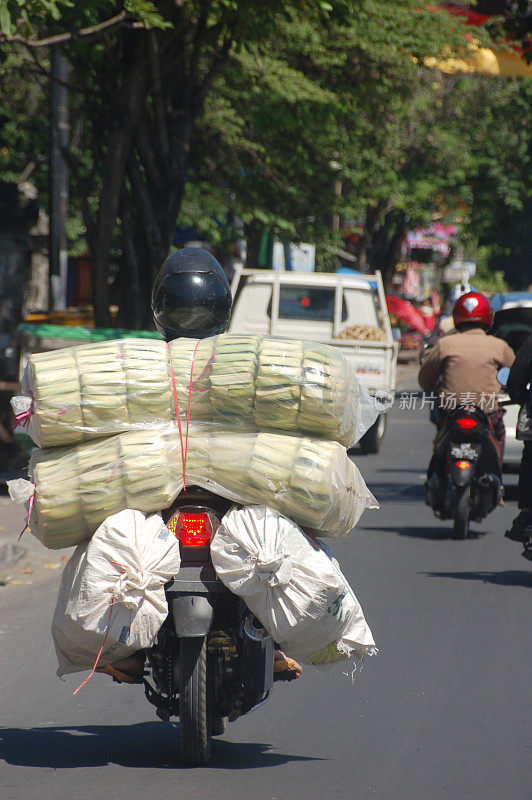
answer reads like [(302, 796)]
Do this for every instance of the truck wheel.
[(371, 441), (194, 727)]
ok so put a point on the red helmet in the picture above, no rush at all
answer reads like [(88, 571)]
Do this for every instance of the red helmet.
[(473, 307)]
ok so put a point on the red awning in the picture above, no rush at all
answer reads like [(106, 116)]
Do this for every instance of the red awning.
[(406, 312)]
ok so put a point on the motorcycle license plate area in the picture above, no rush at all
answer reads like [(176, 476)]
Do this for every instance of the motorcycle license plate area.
[(464, 452)]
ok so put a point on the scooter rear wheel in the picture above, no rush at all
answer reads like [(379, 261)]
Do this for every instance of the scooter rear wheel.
[(461, 512), (194, 727)]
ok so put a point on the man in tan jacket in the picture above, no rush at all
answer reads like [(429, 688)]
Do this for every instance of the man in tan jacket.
[(462, 367)]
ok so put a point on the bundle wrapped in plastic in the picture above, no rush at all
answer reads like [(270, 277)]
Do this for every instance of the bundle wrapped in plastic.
[(112, 591), (291, 584), (76, 488), (94, 390)]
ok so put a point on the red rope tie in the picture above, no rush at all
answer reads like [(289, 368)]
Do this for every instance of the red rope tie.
[(178, 415), (24, 417), (112, 471), (189, 407), (203, 373), (184, 450), (30, 509), (100, 651)]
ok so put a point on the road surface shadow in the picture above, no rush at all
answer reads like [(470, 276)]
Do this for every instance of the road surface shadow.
[(422, 531), (146, 745), (506, 578), (402, 470), (397, 492)]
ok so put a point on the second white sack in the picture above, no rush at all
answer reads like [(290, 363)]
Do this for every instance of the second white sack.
[(292, 585)]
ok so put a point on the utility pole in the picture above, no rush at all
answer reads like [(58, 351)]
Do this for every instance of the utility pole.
[(58, 181)]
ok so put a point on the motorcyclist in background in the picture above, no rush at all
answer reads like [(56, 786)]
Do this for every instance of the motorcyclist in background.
[(191, 298), (518, 387), (463, 366), (445, 324)]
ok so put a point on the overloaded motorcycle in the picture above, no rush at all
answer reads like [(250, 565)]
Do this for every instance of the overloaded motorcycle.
[(464, 479), (213, 660)]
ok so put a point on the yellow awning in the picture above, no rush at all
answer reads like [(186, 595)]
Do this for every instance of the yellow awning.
[(506, 63)]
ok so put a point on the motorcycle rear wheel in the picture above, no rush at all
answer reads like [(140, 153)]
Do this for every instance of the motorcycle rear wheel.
[(194, 724), (461, 512)]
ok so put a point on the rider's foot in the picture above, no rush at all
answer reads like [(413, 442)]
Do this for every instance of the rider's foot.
[(125, 670), (284, 668), (521, 529), (527, 552)]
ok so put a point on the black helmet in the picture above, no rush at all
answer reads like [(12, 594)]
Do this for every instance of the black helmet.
[(191, 296)]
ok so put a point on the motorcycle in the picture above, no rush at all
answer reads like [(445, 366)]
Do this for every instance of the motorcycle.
[(212, 660), (464, 480)]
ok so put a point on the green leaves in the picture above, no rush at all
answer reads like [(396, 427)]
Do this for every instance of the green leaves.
[(250, 104), (148, 13), (23, 16)]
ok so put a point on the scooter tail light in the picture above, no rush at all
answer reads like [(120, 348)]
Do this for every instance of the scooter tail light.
[(466, 423), (191, 529), (463, 464)]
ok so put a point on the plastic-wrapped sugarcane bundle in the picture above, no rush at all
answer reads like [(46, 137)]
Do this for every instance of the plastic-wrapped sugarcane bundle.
[(76, 488), (81, 393)]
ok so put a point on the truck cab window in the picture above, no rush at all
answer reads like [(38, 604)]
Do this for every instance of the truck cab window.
[(312, 304)]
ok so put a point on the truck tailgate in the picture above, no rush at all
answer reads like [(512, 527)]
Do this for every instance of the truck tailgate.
[(375, 364)]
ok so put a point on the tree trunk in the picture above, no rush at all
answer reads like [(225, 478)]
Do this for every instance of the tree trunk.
[(374, 214), (131, 294), (133, 91), (146, 204), (393, 254)]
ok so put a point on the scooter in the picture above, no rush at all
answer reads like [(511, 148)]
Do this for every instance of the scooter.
[(464, 479), (212, 660)]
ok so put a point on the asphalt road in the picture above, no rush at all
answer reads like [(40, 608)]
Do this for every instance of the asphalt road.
[(443, 711)]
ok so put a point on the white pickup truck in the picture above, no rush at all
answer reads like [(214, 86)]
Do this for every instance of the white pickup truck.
[(318, 307)]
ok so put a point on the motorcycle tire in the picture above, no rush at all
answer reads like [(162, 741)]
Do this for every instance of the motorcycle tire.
[(194, 723), (461, 512)]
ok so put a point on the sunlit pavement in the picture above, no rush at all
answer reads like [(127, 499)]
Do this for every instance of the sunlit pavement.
[(443, 711)]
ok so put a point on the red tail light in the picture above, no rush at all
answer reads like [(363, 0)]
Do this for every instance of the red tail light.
[(466, 423), (192, 530)]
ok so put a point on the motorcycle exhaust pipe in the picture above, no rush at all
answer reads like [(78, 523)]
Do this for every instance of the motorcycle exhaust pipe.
[(254, 629)]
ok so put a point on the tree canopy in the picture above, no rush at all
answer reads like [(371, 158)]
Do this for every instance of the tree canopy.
[(201, 112)]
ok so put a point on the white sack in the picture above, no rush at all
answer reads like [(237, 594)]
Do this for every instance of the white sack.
[(290, 583), (114, 585)]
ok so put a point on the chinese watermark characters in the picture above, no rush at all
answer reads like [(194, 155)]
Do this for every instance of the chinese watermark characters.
[(416, 401)]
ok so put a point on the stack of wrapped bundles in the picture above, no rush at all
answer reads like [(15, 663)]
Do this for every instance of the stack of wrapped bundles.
[(76, 488), (81, 393)]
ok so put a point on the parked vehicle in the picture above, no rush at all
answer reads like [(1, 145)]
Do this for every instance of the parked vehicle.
[(464, 480), (325, 308), (513, 323), (213, 660)]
